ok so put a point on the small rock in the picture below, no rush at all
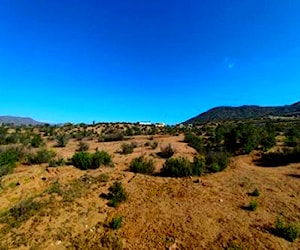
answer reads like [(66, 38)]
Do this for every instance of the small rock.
[(58, 242)]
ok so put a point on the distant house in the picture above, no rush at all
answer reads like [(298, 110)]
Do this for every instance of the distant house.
[(148, 123), (160, 124), (145, 123)]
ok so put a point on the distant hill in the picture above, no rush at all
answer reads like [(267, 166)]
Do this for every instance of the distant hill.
[(245, 112), (18, 120)]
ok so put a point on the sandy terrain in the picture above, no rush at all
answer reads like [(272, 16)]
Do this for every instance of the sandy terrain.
[(194, 213)]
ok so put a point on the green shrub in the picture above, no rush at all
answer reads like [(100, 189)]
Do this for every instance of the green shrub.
[(216, 161), (255, 193), (141, 165), (198, 165), (100, 158), (36, 141), (12, 138), (8, 159), (62, 140), (167, 151), (292, 136), (253, 205), (57, 162), (194, 141), (116, 222), (127, 148), (111, 137), (85, 160), (288, 231), (177, 167), (182, 167), (82, 146), (82, 160), (41, 156), (280, 157), (117, 194)]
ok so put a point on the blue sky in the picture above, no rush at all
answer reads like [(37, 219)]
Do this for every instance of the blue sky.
[(160, 61)]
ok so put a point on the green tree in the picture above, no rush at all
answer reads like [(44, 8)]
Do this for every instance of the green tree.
[(268, 136)]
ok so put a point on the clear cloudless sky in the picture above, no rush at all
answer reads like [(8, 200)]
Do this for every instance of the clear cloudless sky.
[(158, 60)]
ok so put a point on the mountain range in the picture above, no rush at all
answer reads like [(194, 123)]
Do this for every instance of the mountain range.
[(245, 112), (18, 120)]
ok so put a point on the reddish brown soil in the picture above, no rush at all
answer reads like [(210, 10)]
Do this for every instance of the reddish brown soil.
[(196, 213)]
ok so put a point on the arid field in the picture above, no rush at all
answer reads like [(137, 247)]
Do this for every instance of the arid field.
[(63, 207)]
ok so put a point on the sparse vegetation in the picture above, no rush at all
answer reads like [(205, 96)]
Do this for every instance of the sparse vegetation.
[(166, 151), (111, 137), (288, 231), (43, 155), (255, 193), (216, 161), (194, 141), (36, 141), (8, 159), (281, 157), (116, 222), (85, 160), (182, 167), (253, 205), (82, 146), (62, 140), (65, 190), (111, 241), (21, 212), (57, 162), (117, 194), (142, 165), (127, 148)]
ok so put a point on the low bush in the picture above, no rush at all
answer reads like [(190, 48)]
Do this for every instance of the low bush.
[(57, 162), (101, 158), (216, 161), (255, 193), (117, 194), (167, 151), (85, 160), (280, 157), (194, 141), (62, 140), (36, 141), (111, 137), (253, 205), (116, 222), (198, 165), (288, 231), (41, 156), (8, 159), (141, 165), (151, 144), (82, 146), (182, 167), (127, 148)]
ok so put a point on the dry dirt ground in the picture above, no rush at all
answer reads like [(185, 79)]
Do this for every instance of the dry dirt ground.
[(194, 213)]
